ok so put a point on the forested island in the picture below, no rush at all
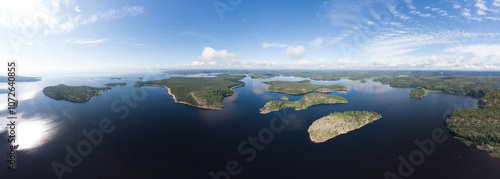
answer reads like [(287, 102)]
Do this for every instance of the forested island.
[(454, 82), (115, 84), (339, 123), (303, 103), (479, 125), (76, 94), (206, 93), (302, 87)]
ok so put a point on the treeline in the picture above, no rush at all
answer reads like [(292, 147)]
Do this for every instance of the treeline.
[(480, 125), (77, 94), (455, 82)]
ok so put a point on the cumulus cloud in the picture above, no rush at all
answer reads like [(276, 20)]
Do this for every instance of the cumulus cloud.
[(209, 54), (295, 52), (210, 57), (77, 9)]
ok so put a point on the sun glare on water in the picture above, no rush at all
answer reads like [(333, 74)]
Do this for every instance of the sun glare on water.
[(32, 133)]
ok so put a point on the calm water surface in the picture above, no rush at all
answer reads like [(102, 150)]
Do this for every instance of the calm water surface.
[(163, 139)]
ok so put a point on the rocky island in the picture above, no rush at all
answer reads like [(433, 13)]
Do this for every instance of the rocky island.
[(303, 103), (338, 123), (76, 94), (206, 93), (479, 127), (302, 87)]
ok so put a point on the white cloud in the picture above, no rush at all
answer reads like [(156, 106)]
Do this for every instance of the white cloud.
[(496, 3), (409, 4), (88, 42), (45, 16), (318, 42), (210, 58), (265, 45), (397, 24), (209, 54), (392, 9), (466, 12), (295, 52), (477, 50), (394, 45), (481, 6), (350, 14), (77, 21), (424, 15), (456, 6)]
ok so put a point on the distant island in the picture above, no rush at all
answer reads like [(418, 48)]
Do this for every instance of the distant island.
[(479, 126), (76, 94), (303, 103), (115, 84), (302, 87), (363, 81), (284, 98), (20, 79), (420, 93), (115, 78), (339, 123), (206, 93)]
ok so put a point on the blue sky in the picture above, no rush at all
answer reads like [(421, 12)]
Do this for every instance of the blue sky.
[(118, 35)]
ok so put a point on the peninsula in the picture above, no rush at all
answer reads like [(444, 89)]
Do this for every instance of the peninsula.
[(303, 103), (206, 93), (115, 84), (480, 126), (302, 87), (76, 94), (338, 123)]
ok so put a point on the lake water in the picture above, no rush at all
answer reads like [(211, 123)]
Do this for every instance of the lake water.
[(163, 139)]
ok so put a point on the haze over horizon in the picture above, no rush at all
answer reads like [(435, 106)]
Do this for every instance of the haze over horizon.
[(70, 36)]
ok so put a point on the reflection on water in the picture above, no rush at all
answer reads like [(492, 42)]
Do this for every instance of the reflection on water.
[(32, 132), (258, 87)]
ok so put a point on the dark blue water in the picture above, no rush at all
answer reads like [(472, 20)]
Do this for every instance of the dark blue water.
[(163, 139)]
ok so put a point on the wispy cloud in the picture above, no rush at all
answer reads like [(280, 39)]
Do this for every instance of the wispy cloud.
[(266, 45), (88, 42), (395, 45), (80, 20)]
